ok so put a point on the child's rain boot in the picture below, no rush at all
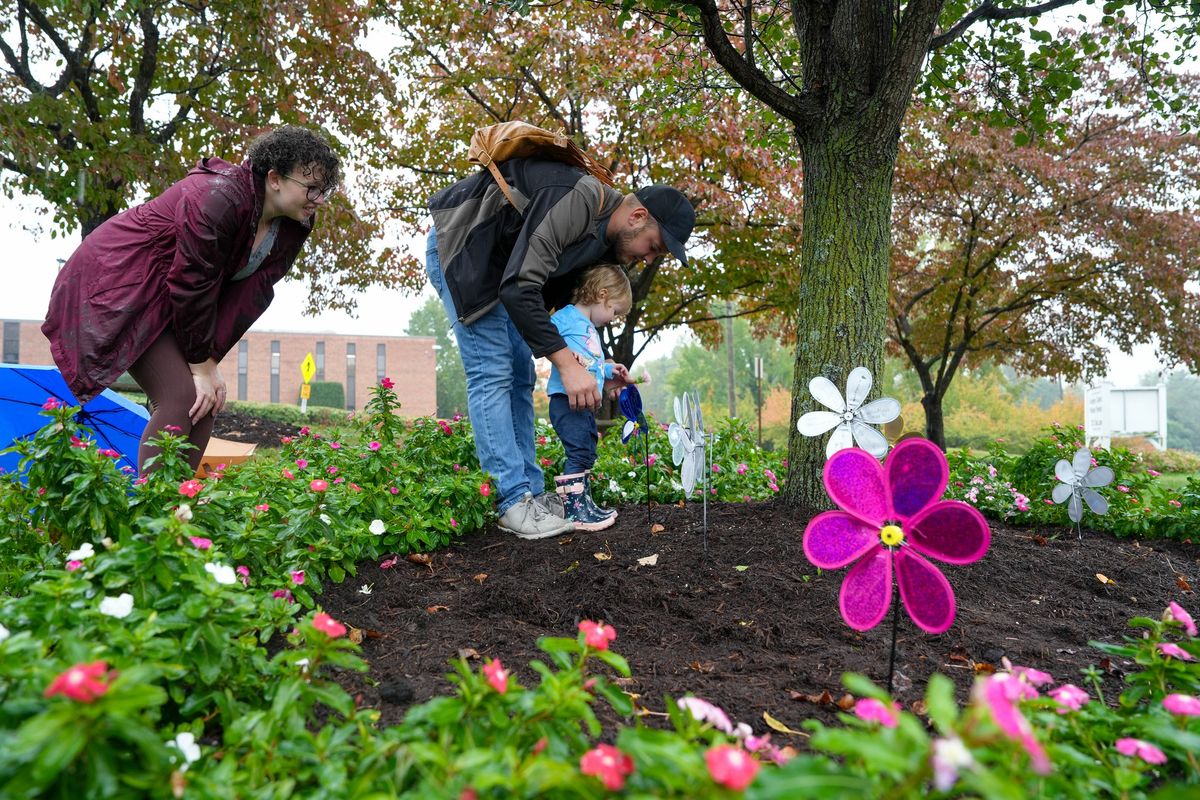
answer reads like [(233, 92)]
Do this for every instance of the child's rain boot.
[(578, 505), (587, 490)]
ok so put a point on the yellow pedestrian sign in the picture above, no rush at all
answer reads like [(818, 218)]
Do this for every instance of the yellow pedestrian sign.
[(308, 368)]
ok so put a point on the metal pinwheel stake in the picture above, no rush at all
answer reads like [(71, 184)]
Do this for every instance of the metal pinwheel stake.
[(849, 419), (1079, 481), (630, 402), (687, 447)]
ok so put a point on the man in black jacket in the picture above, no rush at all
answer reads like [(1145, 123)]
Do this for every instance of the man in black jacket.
[(498, 269)]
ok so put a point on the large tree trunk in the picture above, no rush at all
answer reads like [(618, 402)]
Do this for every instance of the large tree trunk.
[(935, 419), (843, 295)]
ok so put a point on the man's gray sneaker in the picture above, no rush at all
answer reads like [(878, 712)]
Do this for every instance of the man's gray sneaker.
[(552, 503), (528, 519)]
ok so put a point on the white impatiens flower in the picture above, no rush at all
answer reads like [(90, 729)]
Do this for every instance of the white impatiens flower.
[(325, 518), (613, 486), (377, 527), (85, 550), (1079, 484), (183, 513), (120, 606), (849, 419), (222, 573), (3, 633), (185, 743), (366, 589)]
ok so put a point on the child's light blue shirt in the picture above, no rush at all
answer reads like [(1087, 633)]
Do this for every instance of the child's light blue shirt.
[(581, 337)]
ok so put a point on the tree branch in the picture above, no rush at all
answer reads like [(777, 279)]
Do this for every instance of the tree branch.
[(988, 10)]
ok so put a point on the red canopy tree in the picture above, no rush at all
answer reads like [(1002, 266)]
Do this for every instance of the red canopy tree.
[(1034, 255)]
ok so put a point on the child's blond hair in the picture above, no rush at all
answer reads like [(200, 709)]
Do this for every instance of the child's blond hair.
[(609, 278)]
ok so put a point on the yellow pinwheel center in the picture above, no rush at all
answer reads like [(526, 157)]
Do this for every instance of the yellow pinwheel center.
[(891, 535)]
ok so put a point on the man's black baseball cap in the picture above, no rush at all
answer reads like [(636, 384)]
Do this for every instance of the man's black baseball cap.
[(674, 214)]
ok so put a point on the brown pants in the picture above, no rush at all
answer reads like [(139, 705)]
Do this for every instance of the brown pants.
[(164, 375)]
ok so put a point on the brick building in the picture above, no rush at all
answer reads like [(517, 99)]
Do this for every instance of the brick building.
[(264, 367)]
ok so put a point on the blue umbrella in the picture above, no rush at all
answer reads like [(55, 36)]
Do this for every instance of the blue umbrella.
[(117, 422)]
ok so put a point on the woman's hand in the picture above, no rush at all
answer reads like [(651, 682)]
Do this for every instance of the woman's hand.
[(210, 390)]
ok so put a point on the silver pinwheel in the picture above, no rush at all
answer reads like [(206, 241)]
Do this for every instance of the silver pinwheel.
[(687, 441), (1078, 481), (849, 419)]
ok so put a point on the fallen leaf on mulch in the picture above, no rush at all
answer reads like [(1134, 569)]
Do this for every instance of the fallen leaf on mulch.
[(649, 561), (356, 634), (1040, 541), (389, 563), (845, 702), (573, 566), (741, 568), (822, 699), (1100, 576), (918, 708), (602, 556), (1182, 583), (480, 577), (703, 668), (424, 559), (656, 529), (435, 609), (776, 725), (468, 652), (984, 668)]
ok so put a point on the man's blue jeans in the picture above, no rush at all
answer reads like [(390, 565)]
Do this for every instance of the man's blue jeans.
[(500, 381)]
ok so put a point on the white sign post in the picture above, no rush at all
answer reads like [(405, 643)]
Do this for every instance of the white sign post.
[(1141, 411)]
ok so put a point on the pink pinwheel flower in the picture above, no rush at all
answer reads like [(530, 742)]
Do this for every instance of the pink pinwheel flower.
[(893, 513), (1175, 613), (1175, 651), (1141, 749), (1182, 704), (608, 764), (328, 625), (730, 766), (1070, 697), (872, 710), (496, 675), (597, 634)]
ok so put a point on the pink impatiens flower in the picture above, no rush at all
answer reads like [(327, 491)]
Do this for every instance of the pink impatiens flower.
[(190, 488), (328, 625), (302, 463), (82, 683), (485, 489), (374, 445), (1070, 697), (387, 383), (200, 542), (597, 634), (893, 514), (1175, 613), (1000, 693), (873, 710), (1175, 651), (705, 711), (298, 577), (608, 764), (50, 404), (1183, 704), (319, 485), (244, 571), (496, 675), (287, 473), (1141, 749), (262, 507), (730, 766)]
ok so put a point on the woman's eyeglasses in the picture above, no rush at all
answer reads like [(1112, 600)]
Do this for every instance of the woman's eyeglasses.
[(314, 194)]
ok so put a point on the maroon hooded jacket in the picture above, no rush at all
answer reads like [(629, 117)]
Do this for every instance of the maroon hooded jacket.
[(167, 264)]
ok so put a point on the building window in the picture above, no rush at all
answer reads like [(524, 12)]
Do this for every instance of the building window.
[(274, 370), (12, 343), (380, 362), (320, 361), (351, 357), (243, 368)]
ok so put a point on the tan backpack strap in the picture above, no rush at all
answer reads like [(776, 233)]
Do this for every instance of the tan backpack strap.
[(503, 184)]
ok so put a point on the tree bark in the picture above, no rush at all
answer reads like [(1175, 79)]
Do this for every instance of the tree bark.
[(935, 419), (843, 296)]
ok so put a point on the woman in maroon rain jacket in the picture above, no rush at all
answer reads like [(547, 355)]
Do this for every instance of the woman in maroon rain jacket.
[(166, 289)]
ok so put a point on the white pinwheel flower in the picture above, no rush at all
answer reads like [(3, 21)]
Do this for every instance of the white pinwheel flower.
[(120, 606), (686, 435), (1079, 481), (849, 419)]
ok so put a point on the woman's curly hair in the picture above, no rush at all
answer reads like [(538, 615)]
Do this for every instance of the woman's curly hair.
[(289, 146)]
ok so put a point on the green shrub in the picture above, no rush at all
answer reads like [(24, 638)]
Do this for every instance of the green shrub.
[(327, 394), (289, 414)]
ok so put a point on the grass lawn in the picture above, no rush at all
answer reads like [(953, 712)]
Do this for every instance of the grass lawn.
[(1175, 480)]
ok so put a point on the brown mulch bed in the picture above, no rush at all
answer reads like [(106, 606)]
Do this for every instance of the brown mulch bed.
[(752, 640), (251, 428)]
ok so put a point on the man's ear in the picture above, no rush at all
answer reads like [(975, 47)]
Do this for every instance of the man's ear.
[(637, 217), (273, 179)]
